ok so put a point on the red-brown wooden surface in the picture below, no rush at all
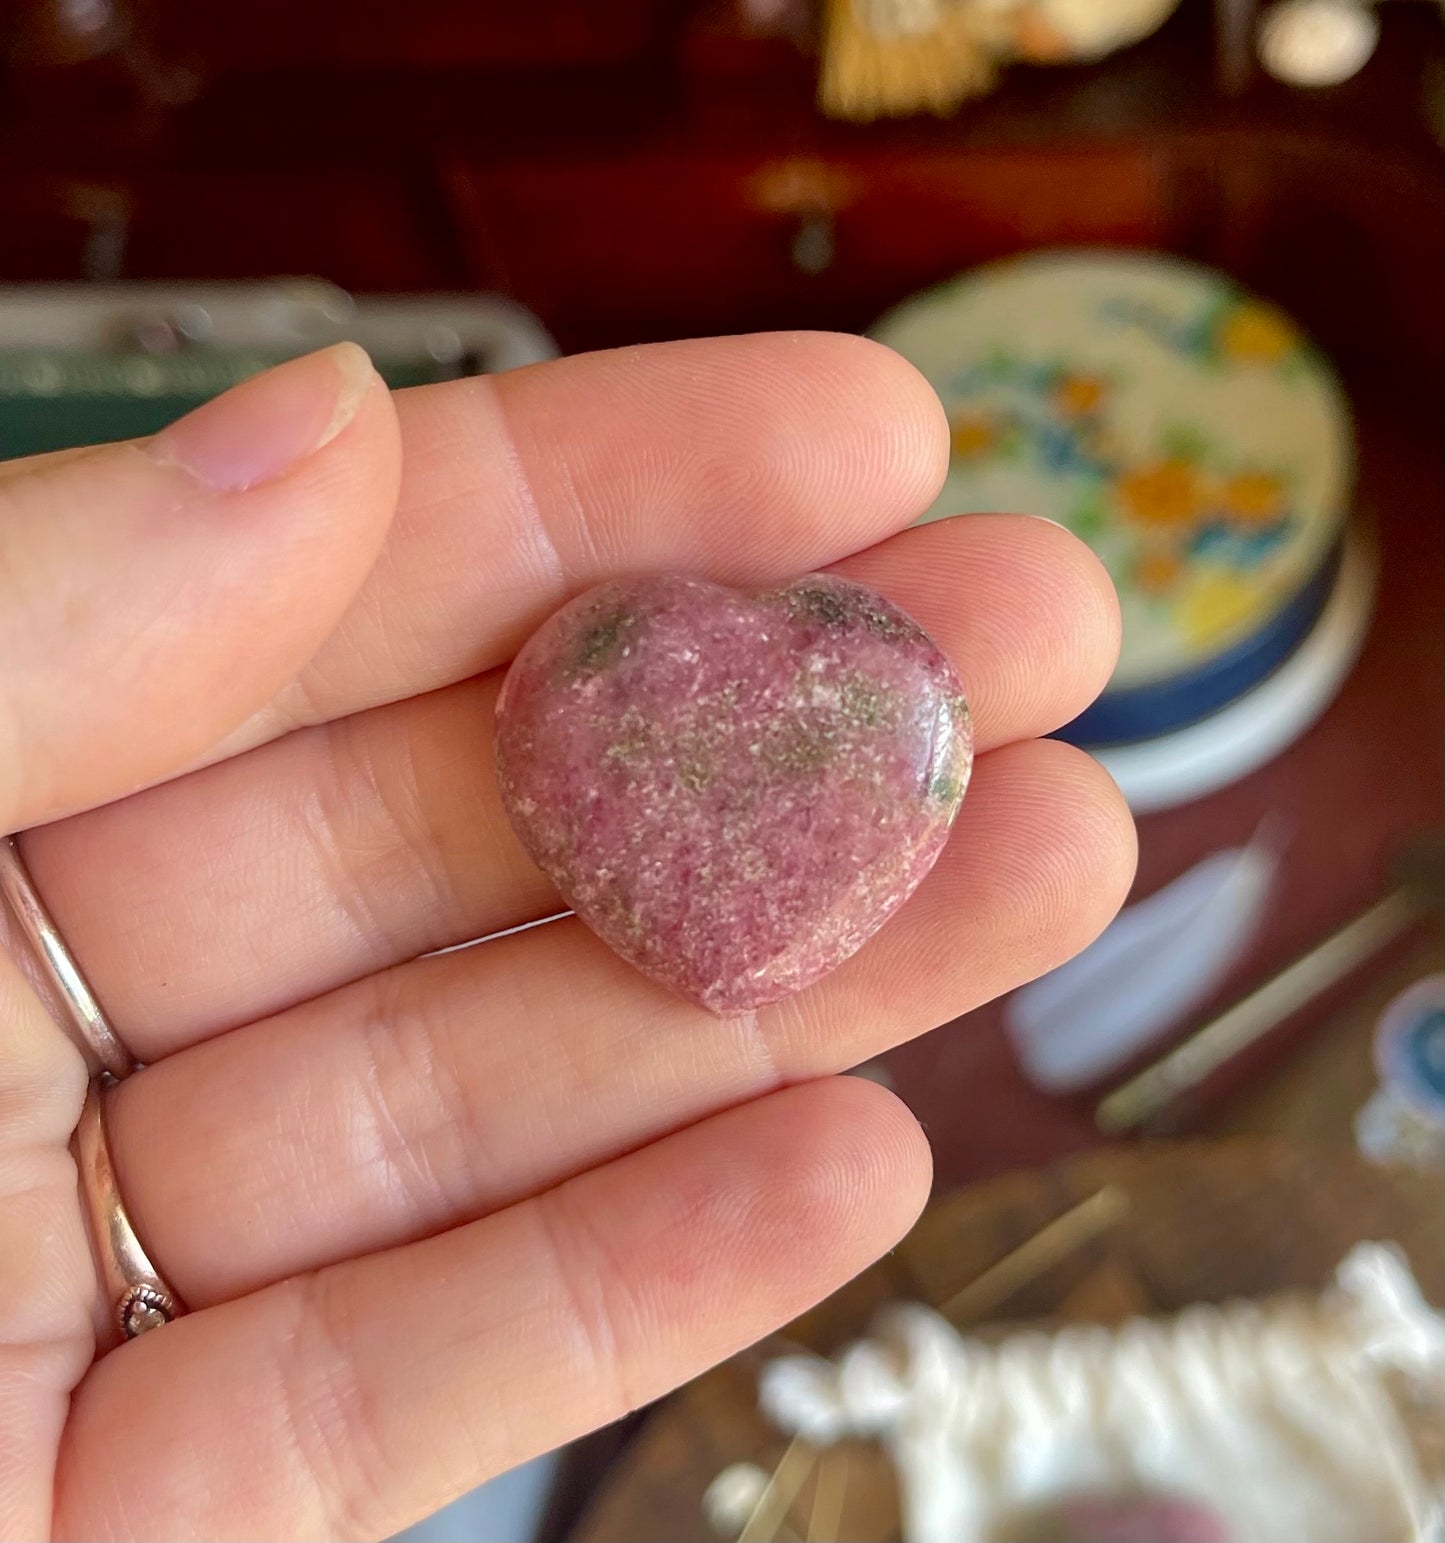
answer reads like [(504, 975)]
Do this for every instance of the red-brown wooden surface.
[(1365, 779)]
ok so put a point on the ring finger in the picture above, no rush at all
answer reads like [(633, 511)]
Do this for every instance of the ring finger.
[(451, 1087), (269, 879)]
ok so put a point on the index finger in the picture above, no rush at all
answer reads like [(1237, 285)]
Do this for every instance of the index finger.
[(748, 459)]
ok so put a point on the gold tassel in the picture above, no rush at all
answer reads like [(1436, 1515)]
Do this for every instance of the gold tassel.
[(886, 65)]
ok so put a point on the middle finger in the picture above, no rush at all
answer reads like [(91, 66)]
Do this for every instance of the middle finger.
[(263, 881)]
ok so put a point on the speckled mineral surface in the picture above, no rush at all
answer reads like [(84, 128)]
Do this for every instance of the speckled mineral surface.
[(734, 790)]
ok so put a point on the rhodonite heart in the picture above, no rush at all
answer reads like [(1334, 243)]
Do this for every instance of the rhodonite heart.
[(734, 790)]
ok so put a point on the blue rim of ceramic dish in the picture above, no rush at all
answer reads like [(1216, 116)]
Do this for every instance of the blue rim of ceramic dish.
[(1138, 713), (1408, 1051)]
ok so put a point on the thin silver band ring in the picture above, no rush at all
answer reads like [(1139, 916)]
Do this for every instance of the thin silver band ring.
[(61, 971)]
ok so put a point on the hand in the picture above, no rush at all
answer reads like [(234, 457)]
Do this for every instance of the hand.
[(435, 1215)]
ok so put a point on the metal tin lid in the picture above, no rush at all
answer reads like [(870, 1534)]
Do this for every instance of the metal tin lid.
[(1185, 429), (83, 363)]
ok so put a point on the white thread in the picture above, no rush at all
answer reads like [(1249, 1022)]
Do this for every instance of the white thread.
[(1274, 1413)]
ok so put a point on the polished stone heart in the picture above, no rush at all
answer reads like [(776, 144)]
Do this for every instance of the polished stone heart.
[(733, 790)]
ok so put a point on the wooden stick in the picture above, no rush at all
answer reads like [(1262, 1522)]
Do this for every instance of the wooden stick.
[(1144, 1096), (1234, 28), (1045, 1248), (777, 1499), (825, 1520)]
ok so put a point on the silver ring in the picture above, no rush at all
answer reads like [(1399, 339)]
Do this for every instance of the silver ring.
[(136, 1292), (61, 971)]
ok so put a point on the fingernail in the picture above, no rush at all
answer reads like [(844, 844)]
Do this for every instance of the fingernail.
[(259, 430)]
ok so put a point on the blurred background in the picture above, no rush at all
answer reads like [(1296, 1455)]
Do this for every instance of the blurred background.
[(1175, 270)]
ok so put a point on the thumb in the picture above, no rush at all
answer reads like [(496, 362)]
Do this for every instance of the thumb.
[(154, 595)]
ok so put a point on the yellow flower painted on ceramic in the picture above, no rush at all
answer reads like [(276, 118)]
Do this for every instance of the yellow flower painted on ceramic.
[(1253, 333), (1218, 604), (1100, 441), (973, 437), (1253, 498), (1078, 395), (1157, 572), (1165, 493)]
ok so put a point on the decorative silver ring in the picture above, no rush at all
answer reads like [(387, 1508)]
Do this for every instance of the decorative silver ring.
[(135, 1290), (61, 971)]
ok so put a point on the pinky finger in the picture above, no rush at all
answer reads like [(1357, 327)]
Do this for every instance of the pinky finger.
[(350, 1402)]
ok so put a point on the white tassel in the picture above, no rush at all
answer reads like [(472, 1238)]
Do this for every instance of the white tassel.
[(732, 1497), (800, 1394), (1392, 1321), (1278, 1411)]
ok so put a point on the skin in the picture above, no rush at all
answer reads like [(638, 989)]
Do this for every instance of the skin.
[(433, 1216)]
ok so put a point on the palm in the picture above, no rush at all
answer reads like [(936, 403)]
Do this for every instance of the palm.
[(433, 1215)]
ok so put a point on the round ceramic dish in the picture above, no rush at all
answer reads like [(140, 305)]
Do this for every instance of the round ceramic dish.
[(1410, 1049), (1404, 1121), (1186, 430)]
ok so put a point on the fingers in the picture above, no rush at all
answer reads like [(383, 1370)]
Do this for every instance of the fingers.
[(1025, 610), (349, 1404), (453, 1086), (154, 596), (47, 1282), (748, 458), (347, 848)]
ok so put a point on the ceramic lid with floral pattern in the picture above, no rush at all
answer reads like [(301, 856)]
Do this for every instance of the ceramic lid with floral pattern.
[(1185, 429)]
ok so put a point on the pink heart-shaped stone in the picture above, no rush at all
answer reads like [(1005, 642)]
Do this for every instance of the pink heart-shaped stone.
[(733, 790), (1140, 1519)]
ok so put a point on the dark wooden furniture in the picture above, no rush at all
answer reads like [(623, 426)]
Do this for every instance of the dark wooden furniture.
[(644, 168)]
